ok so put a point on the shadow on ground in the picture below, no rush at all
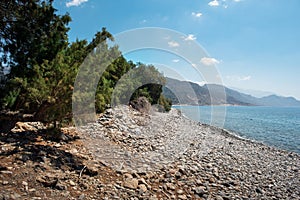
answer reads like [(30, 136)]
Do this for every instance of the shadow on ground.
[(36, 146)]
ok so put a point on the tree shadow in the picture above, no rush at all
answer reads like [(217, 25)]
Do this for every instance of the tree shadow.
[(26, 148)]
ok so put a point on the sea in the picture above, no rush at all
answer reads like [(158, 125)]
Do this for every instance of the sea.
[(274, 126)]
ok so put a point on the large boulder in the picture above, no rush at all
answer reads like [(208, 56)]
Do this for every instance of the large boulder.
[(141, 104)]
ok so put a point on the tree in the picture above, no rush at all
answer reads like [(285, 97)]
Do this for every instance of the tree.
[(44, 66), (30, 33)]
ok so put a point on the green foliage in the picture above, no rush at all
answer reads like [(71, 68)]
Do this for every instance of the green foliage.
[(165, 103), (30, 32), (10, 99), (44, 66)]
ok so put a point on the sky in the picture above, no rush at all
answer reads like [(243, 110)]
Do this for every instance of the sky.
[(251, 44)]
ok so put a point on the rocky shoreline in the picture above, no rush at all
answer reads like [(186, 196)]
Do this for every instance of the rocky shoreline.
[(131, 155)]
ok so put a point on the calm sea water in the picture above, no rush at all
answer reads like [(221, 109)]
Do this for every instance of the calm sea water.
[(275, 126)]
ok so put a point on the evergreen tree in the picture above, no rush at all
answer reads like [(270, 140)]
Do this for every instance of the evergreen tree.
[(30, 33), (44, 65)]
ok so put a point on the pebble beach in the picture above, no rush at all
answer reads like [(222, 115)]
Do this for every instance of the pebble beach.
[(127, 154)]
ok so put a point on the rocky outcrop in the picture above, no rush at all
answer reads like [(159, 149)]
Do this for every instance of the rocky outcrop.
[(141, 104)]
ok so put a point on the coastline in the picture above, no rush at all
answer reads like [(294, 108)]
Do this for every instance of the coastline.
[(211, 155), (256, 134), (127, 154)]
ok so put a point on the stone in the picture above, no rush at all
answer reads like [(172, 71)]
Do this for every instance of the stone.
[(142, 181), (141, 104), (259, 172), (81, 197), (128, 176), (73, 151), (179, 191), (23, 126), (143, 188), (219, 198), (178, 175), (47, 181), (131, 183), (72, 183), (259, 191), (60, 186), (6, 172), (4, 182), (182, 196), (32, 190), (170, 186), (15, 196), (199, 190), (24, 183)]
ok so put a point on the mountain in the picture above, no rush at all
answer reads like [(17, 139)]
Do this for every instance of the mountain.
[(274, 100), (254, 93), (184, 92)]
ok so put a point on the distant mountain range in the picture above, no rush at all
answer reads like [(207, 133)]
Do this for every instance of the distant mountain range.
[(184, 92), (255, 93)]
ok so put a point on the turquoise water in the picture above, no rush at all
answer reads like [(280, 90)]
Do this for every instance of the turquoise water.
[(275, 126)]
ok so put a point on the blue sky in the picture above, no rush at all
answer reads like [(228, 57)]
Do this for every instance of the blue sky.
[(253, 44)]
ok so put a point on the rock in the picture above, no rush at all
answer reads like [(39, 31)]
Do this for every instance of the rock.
[(15, 196), (142, 181), (27, 126), (259, 172), (128, 176), (178, 175), (212, 180), (32, 190), (73, 151), (141, 104), (226, 184), (209, 165), (72, 183), (143, 188), (57, 145), (182, 196), (259, 191), (4, 182), (179, 191), (91, 170), (47, 181), (60, 186), (6, 172), (131, 183), (81, 197), (170, 186), (199, 190), (219, 198), (25, 185)]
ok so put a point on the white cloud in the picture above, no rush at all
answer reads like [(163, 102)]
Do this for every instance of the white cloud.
[(173, 44), (175, 60), (244, 78), (237, 0), (75, 2), (239, 78), (209, 61), (214, 3), (190, 37), (198, 14)]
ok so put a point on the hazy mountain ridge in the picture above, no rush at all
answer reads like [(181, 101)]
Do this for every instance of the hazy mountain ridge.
[(184, 92)]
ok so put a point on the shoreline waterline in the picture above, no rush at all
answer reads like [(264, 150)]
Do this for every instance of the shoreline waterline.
[(259, 132)]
